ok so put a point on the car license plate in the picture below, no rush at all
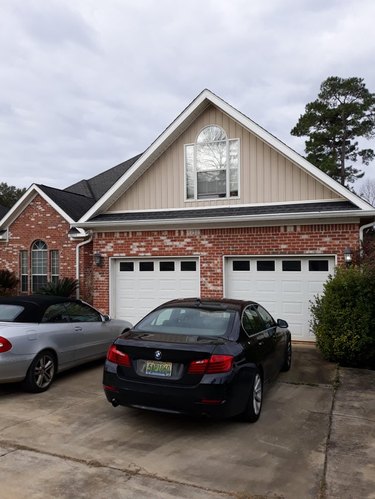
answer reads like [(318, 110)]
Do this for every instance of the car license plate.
[(155, 368)]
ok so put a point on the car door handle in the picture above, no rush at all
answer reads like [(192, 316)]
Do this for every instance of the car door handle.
[(77, 328)]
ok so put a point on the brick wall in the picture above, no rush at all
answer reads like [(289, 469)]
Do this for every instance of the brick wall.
[(40, 221), (212, 244)]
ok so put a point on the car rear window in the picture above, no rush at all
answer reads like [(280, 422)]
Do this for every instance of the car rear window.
[(9, 313), (188, 321)]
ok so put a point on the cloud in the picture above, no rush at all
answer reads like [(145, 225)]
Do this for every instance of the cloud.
[(86, 85)]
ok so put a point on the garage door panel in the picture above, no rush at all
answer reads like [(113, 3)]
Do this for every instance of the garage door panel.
[(137, 292), (286, 294)]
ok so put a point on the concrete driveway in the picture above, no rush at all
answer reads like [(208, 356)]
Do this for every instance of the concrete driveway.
[(315, 438)]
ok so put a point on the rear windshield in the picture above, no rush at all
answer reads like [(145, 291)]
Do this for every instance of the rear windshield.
[(9, 313), (188, 321)]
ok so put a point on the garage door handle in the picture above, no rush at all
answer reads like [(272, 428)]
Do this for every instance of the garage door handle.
[(77, 328)]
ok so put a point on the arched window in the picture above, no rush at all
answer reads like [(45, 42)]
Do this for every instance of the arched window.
[(212, 165), (39, 265)]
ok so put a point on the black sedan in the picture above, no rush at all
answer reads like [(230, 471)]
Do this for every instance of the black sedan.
[(199, 357)]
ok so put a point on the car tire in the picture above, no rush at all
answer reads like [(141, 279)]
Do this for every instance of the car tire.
[(255, 401), (41, 372), (287, 356)]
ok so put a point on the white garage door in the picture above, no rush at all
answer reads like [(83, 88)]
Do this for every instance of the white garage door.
[(284, 286), (140, 285)]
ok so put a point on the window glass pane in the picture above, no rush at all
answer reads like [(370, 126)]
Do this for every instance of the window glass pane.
[(211, 134), (38, 281), (188, 321), (233, 167), (126, 266), (291, 265), (79, 312), (265, 265), (188, 266), (55, 264), (56, 313), (24, 271), (241, 265), (252, 322), (146, 266), (166, 266), (266, 317), (211, 184), (9, 313), (189, 167), (318, 265), (212, 156)]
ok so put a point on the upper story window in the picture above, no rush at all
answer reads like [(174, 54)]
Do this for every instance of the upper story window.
[(212, 165)]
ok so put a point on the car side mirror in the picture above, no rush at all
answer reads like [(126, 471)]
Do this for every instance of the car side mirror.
[(106, 317), (282, 323)]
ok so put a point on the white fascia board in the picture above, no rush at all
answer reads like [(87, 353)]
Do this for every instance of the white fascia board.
[(19, 206), (279, 219), (120, 186), (288, 152), (152, 149)]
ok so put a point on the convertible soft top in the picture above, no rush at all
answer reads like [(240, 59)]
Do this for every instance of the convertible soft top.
[(34, 306)]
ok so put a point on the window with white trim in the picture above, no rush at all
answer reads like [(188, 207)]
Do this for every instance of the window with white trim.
[(24, 270), (54, 265), (39, 265), (212, 165)]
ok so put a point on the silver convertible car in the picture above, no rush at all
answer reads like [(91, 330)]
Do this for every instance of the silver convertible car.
[(41, 335)]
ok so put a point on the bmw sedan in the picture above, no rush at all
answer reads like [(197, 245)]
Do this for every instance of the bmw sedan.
[(43, 335), (198, 357)]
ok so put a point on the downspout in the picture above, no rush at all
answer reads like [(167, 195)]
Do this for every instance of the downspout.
[(77, 260), (361, 233)]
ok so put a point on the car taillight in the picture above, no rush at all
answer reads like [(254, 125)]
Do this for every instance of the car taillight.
[(117, 357), (215, 364), (5, 345)]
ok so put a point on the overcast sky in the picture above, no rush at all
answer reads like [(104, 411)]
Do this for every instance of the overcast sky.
[(87, 84)]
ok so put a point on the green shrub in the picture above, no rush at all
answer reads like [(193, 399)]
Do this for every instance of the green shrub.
[(66, 286), (343, 317), (8, 282)]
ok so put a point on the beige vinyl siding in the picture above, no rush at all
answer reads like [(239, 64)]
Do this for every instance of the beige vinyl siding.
[(265, 175)]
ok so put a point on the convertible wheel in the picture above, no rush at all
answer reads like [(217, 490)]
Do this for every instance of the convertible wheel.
[(40, 373), (287, 357), (254, 404)]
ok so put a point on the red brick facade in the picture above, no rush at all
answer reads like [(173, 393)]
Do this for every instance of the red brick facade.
[(39, 221), (212, 244)]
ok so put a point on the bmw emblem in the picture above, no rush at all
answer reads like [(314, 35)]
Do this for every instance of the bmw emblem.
[(157, 355)]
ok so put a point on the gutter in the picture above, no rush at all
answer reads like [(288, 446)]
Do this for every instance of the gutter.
[(83, 243), (236, 219)]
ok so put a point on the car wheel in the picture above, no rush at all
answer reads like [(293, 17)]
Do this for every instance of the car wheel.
[(41, 373), (254, 404), (287, 357)]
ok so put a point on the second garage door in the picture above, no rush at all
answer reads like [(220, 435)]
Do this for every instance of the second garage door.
[(284, 286), (139, 285)]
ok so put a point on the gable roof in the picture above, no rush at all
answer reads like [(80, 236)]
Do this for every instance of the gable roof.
[(182, 122), (96, 186), (74, 201)]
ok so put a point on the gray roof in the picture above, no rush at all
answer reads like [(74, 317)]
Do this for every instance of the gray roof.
[(228, 212), (96, 186), (74, 205), (78, 198), (3, 211)]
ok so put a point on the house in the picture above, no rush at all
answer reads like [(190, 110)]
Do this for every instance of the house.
[(37, 240), (216, 206)]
